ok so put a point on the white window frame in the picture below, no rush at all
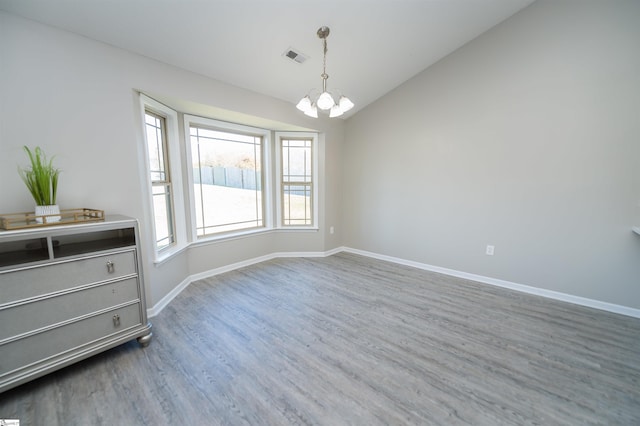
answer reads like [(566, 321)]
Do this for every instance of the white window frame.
[(175, 172), (279, 196), (267, 184)]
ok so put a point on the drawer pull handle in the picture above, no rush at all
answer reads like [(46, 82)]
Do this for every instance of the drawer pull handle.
[(110, 266), (116, 320)]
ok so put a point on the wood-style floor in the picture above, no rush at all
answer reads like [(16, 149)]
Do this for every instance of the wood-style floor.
[(351, 340)]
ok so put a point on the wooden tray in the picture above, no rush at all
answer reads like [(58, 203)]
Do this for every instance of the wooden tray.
[(69, 216)]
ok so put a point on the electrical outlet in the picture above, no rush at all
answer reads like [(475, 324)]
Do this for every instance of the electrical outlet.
[(331, 229), (490, 250)]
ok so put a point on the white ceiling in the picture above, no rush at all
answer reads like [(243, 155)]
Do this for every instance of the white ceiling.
[(374, 45)]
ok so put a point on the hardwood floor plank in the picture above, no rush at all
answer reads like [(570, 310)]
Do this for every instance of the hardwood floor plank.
[(351, 340)]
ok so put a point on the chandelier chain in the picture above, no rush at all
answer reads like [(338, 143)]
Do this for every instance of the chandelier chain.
[(324, 67)]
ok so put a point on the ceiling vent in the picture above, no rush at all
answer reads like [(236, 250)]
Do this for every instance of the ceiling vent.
[(295, 56)]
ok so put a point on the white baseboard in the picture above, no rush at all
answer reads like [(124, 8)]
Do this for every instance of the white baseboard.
[(162, 303), (158, 307), (577, 300), (591, 303)]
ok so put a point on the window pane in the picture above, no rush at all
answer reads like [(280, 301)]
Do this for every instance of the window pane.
[(161, 187), (155, 145), (162, 214), (227, 180), (297, 205), (296, 164), (297, 182), (205, 133)]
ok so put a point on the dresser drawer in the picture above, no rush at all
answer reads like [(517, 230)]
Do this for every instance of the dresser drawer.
[(26, 317), (39, 347), (44, 279)]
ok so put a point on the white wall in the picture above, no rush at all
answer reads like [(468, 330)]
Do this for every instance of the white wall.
[(527, 138), (76, 98)]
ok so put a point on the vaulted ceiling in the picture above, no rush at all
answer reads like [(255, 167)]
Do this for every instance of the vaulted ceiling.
[(374, 45)]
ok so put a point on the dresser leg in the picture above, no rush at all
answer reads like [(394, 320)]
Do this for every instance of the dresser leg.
[(146, 339)]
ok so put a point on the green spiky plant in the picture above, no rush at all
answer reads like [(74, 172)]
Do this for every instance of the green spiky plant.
[(42, 178)]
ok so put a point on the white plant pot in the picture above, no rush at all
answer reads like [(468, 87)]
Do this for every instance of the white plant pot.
[(48, 214)]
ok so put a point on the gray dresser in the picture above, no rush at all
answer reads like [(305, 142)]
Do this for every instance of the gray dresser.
[(68, 292)]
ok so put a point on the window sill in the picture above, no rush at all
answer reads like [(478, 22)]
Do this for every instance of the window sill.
[(246, 234), (298, 228), (168, 254), (229, 237)]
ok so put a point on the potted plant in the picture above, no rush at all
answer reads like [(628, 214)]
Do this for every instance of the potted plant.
[(42, 182)]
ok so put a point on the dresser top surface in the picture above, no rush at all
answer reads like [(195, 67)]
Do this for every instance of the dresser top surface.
[(110, 222)]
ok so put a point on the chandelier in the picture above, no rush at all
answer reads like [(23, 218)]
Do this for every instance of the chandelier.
[(325, 101)]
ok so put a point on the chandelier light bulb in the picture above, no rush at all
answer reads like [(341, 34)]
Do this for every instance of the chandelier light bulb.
[(336, 111), (325, 101), (345, 104), (305, 104), (312, 111)]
